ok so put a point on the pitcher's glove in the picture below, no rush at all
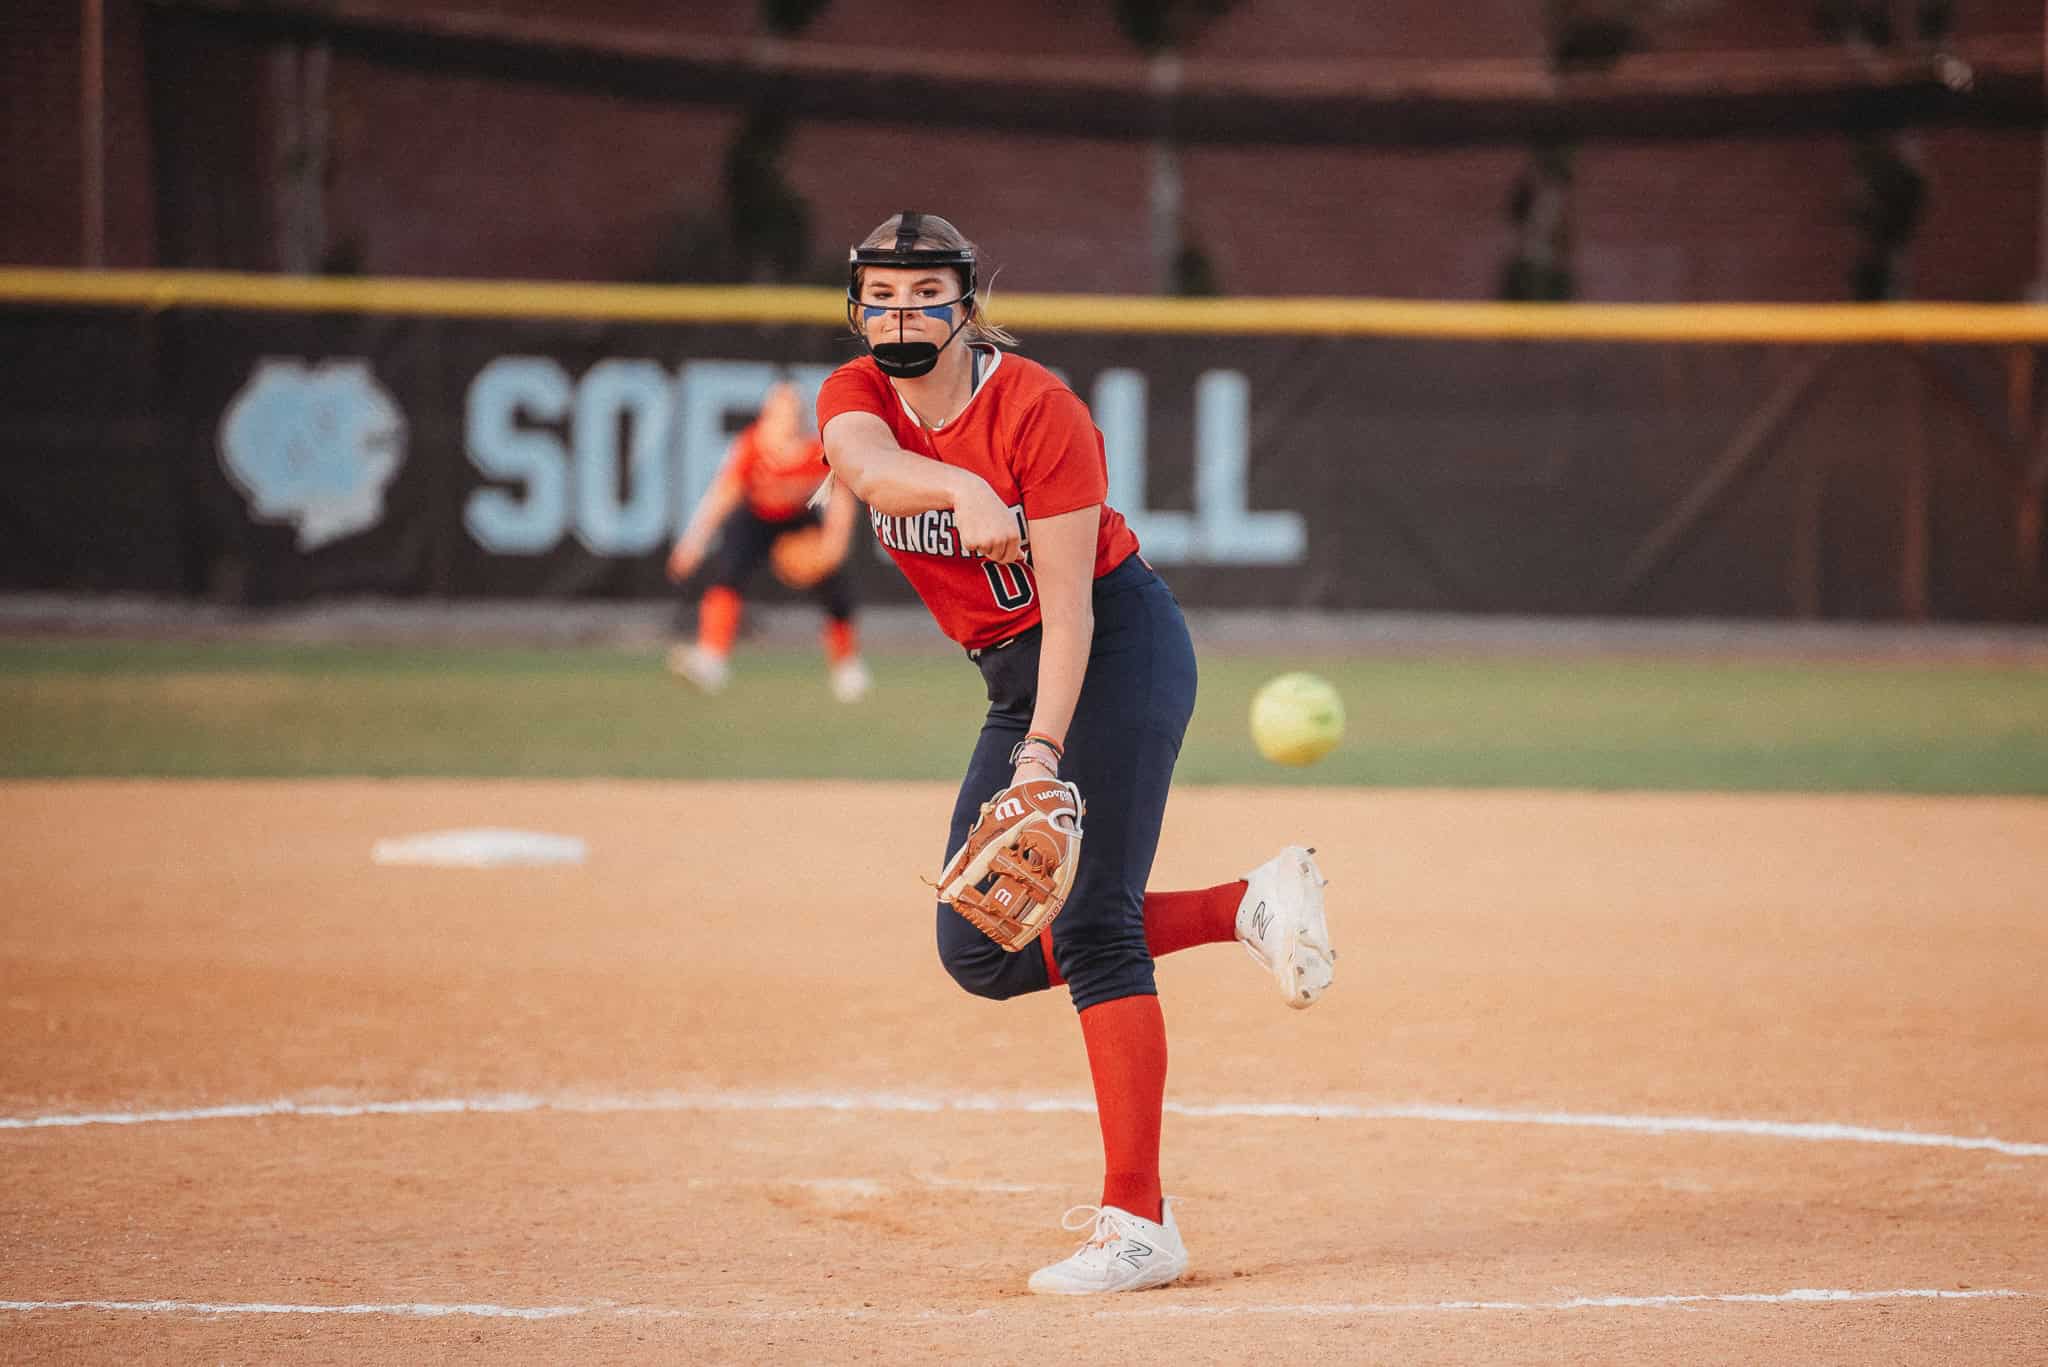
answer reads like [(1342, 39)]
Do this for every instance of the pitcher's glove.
[(1013, 873)]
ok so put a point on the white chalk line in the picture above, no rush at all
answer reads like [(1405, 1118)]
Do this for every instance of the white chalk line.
[(873, 1188), (1797, 1296), (1819, 1132), (1324, 1310)]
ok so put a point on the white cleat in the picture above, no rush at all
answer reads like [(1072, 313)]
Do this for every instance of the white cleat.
[(1282, 927), (702, 668), (1124, 1252), (851, 680)]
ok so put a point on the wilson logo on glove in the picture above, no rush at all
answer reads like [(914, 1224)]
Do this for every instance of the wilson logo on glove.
[(1013, 873)]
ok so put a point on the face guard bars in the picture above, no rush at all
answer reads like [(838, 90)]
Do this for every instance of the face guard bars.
[(903, 359)]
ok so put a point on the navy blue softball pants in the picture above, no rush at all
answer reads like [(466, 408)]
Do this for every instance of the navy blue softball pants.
[(1135, 702)]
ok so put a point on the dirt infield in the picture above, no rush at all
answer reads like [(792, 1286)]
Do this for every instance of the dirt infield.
[(1652, 1078)]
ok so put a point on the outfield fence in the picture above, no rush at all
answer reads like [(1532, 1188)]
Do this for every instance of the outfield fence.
[(260, 440)]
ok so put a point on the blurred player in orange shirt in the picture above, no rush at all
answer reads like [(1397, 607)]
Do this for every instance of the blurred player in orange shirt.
[(758, 509)]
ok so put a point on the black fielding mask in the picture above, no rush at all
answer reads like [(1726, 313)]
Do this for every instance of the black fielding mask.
[(903, 359)]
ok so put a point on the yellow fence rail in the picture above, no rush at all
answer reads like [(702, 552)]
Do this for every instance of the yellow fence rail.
[(1791, 324)]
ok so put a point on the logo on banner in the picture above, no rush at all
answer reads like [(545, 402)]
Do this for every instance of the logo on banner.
[(313, 446)]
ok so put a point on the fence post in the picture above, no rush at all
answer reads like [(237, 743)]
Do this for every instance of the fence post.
[(2033, 436), (1913, 533)]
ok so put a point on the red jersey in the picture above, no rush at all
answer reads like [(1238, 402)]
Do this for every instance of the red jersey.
[(1033, 440), (777, 486)]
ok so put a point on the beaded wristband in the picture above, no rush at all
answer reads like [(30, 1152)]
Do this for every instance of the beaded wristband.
[(1017, 751), (1058, 750)]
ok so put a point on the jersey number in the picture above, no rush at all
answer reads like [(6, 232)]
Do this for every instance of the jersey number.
[(1011, 584)]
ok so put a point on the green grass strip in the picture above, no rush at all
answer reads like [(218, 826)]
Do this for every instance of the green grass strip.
[(99, 707)]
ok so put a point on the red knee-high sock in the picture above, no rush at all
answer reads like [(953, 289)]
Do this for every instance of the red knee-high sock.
[(1126, 1042), (1182, 920), (718, 620), (841, 641), (1175, 921)]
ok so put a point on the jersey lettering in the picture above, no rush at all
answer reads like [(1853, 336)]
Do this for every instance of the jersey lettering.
[(930, 533)]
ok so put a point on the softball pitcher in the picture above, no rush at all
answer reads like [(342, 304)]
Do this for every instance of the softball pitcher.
[(985, 480)]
